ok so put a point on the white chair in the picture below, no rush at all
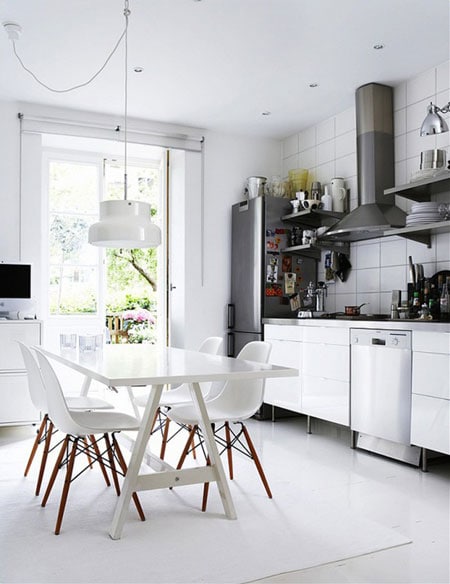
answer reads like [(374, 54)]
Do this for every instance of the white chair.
[(238, 401), (179, 395), (77, 425), (37, 394)]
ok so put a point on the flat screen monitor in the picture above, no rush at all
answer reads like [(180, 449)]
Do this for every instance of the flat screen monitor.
[(15, 281)]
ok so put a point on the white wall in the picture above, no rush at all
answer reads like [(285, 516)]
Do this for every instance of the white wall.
[(329, 149)]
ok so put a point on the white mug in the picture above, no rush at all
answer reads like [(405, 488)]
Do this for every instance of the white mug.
[(339, 194)]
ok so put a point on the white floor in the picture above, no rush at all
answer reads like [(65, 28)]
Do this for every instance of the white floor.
[(395, 495)]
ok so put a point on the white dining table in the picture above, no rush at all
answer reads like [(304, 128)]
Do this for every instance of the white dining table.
[(125, 365)]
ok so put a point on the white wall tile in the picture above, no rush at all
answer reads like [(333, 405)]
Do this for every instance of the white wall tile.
[(369, 255), (400, 96), (346, 144), (442, 243), (307, 138), (393, 252), (386, 301), (326, 151), (367, 280), (289, 164), (420, 253), (346, 166), (325, 172), (400, 173), (420, 87), (325, 130), (343, 300), (415, 143), (372, 300), (400, 122), (345, 121), (290, 146), (400, 147), (307, 158), (443, 76), (393, 278)]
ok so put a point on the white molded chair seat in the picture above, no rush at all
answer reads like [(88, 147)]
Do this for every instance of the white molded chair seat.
[(238, 401), (38, 397), (79, 425)]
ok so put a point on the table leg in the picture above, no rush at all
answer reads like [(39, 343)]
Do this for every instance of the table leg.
[(85, 387), (137, 455), (214, 455)]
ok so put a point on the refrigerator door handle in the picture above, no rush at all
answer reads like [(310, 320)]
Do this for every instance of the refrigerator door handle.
[(230, 317), (230, 345)]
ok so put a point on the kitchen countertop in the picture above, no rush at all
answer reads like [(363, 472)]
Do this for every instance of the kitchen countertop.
[(370, 323)]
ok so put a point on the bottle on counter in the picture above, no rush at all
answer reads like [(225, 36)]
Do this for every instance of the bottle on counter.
[(415, 308), (444, 301)]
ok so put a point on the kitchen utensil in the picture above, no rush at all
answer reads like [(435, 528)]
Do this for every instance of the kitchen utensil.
[(338, 194), (316, 190), (343, 267), (354, 310), (255, 186), (435, 158), (412, 271)]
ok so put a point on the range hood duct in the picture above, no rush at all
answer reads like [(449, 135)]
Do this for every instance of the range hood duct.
[(375, 166)]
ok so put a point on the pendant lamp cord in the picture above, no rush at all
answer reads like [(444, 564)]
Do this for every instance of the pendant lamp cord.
[(84, 83), (126, 13)]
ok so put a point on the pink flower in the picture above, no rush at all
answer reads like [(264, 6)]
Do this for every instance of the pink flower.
[(139, 315)]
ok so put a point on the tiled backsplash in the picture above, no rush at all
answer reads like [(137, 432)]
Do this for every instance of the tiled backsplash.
[(328, 150)]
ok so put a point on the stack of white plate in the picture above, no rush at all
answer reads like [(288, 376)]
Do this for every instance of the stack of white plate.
[(423, 213)]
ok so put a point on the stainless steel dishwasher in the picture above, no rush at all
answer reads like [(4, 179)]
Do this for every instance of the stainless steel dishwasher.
[(380, 402)]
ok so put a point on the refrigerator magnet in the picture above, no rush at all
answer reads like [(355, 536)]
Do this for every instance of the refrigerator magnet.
[(294, 301), (289, 283), (286, 265)]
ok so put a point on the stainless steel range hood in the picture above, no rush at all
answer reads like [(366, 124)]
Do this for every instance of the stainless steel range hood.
[(375, 165)]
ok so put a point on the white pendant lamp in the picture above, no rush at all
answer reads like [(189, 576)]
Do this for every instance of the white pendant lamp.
[(125, 224)]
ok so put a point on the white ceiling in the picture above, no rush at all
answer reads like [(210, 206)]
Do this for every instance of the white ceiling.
[(218, 64)]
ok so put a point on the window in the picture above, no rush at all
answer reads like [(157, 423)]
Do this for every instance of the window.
[(73, 263)]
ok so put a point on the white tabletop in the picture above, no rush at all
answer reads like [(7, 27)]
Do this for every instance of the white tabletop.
[(128, 364)]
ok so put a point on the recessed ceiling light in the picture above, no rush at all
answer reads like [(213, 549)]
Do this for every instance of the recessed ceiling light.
[(378, 46), (266, 113), (138, 69), (314, 84)]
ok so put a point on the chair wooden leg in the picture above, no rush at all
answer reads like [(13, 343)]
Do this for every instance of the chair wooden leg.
[(36, 443), (55, 470), (187, 446), (87, 452), (123, 466), (99, 459), (45, 452), (164, 438), (112, 463), (67, 482), (229, 450), (205, 488), (257, 462)]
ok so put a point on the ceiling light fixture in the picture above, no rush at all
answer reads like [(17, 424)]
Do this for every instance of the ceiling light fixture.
[(314, 84), (124, 223), (433, 122), (378, 46)]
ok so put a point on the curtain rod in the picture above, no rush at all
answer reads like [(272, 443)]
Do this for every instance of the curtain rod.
[(113, 127)]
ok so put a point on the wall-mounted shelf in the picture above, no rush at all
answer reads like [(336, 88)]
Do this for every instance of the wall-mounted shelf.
[(315, 250), (422, 190), (421, 233), (313, 217)]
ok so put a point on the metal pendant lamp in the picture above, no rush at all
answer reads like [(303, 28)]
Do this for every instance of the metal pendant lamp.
[(434, 123), (125, 224)]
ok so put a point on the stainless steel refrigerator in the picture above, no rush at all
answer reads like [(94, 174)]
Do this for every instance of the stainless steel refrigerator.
[(264, 279)]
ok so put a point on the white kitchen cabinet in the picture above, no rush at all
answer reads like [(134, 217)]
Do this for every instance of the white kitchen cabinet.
[(286, 344), (326, 374), (15, 403), (430, 410), (322, 355)]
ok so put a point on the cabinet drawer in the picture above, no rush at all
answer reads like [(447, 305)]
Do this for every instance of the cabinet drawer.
[(430, 423), (15, 403), (329, 361), (431, 374), (329, 335), (283, 332), (10, 355), (327, 399), (431, 342), (285, 393)]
